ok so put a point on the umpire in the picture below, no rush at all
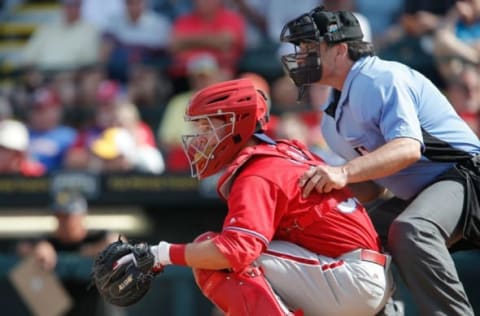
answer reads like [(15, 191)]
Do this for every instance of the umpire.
[(398, 132)]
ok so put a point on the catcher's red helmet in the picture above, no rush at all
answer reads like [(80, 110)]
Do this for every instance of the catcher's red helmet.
[(231, 112)]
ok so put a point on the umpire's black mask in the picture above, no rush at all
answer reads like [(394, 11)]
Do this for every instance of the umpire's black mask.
[(306, 32), (304, 65)]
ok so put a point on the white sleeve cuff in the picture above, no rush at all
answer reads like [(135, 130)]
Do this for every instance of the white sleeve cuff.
[(161, 253)]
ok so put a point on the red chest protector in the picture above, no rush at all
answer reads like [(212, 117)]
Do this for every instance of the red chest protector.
[(331, 224)]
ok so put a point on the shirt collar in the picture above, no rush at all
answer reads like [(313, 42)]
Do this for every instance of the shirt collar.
[(356, 67), (331, 106)]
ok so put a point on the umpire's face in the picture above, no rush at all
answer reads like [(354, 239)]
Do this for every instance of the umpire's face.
[(330, 58)]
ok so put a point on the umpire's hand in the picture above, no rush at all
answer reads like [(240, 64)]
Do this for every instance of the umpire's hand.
[(323, 179)]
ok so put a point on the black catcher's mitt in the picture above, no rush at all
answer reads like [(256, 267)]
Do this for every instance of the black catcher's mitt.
[(127, 283)]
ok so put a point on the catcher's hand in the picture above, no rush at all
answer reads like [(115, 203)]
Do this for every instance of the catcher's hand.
[(123, 272)]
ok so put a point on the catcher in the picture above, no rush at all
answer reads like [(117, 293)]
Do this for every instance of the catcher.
[(278, 253)]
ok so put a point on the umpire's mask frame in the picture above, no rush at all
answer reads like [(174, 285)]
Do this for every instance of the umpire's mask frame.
[(303, 67)]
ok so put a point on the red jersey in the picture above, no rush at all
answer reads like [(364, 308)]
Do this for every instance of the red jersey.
[(265, 203)]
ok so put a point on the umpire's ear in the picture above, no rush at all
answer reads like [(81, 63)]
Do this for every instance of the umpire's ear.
[(341, 50)]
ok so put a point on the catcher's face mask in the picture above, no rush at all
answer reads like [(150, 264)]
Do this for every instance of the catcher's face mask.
[(202, 148), (226, 115)]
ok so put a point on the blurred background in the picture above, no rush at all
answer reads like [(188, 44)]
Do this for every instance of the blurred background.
[(92, 96)]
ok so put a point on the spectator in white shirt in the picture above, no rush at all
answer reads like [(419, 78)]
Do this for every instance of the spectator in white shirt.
[(138, 35), (67, 44)]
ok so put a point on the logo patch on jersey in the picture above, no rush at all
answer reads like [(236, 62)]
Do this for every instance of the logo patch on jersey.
[(233, 220), (347, 206), (361, 150)]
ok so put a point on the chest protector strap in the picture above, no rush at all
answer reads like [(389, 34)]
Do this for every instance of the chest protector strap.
[(291, 150)]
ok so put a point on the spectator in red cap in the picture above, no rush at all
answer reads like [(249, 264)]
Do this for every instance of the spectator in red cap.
[(107, 96), (14, 157), (49, 139)]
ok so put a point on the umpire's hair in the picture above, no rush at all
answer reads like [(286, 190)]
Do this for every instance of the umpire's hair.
[(358, 49)]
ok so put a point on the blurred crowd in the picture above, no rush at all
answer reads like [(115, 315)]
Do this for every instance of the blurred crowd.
[(104, 87)]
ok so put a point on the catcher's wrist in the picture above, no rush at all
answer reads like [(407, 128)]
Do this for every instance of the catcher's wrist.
[(177, 254), (166, 253)]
